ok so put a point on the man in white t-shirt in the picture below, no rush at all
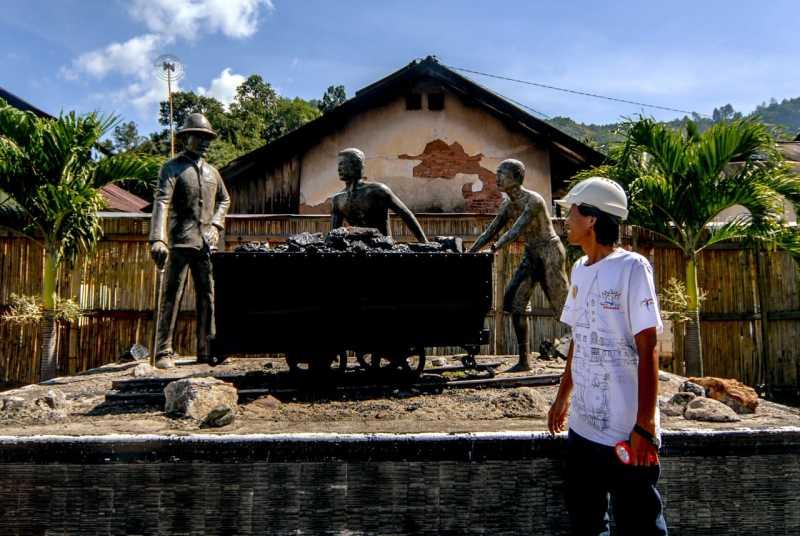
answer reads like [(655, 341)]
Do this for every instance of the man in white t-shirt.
[(610, 383)]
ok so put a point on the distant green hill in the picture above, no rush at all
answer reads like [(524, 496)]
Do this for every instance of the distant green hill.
[(783, 117)]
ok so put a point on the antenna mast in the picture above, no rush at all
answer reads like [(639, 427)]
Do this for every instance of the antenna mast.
[(169, 68)]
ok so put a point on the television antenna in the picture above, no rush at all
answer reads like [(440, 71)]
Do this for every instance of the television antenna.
[(169, 68)]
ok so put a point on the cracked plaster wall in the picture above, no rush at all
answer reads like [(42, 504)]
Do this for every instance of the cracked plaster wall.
[(435, 161)]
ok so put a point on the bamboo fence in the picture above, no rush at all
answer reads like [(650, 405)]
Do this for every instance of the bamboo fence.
[(750, 321)]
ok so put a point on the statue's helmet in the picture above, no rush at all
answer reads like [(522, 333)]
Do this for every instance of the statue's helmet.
[(197, 123)]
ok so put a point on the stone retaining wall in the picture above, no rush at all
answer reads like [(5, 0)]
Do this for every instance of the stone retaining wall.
[(741, 482)]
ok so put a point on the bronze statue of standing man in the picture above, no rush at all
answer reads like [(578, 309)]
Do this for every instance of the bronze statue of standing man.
[(367, 204), (544, 260), (188, 214)]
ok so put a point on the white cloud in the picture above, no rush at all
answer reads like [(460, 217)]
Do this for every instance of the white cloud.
[(168, 21), (223, 87), (133, 57), (143, 94), (190, 19)]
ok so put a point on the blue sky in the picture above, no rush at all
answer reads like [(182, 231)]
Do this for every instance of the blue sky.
[(97, 55)]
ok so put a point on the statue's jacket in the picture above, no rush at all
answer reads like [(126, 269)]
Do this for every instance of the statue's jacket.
[(190, 198)]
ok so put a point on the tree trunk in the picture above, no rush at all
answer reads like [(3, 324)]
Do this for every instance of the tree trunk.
[(47, 326), (692, 345)]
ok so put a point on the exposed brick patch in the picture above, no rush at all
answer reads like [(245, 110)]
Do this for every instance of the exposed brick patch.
[(440, 160)]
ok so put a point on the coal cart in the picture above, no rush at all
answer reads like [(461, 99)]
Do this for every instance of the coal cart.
[(386, 307)]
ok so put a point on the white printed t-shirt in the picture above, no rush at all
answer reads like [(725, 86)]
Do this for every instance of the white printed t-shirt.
[(609, 302)]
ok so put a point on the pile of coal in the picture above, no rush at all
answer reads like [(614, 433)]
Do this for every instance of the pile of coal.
[(253, 247), (356, 240)]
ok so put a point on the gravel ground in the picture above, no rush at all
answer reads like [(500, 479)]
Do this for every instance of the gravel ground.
[(467, 410)]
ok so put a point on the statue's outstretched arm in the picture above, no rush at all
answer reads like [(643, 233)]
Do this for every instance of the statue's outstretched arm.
[(497, 223), (408, 217), (516, 229)]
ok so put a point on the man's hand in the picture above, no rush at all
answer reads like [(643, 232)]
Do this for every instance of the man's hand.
[(557, 416), (211, 237), (159, 252), (643, 452)]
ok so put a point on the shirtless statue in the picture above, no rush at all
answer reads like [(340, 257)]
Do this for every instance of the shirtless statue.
[(544, 253), (367, 204)]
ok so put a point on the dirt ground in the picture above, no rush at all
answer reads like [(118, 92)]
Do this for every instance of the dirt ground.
[(461, 410)]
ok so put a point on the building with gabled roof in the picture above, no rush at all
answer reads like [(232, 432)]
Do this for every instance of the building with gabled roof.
[(430, 134)]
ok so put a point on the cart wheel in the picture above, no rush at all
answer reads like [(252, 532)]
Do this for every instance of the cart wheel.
[(410, 361), (293, 360), (415, 361), (469, 361), (364, 360), (342, 366), (318, 363)]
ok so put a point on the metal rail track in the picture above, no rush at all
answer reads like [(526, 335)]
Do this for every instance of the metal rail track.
[(151, 392)]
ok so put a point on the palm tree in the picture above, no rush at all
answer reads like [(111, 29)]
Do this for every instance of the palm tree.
[(678, 183), (51, 177)]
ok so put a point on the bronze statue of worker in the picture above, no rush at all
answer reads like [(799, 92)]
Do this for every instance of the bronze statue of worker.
[(544, 259), (188, 214), (367, 204)]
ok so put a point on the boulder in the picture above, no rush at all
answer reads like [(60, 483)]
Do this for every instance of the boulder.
[(196, 397), (709, 410), (676, 405), (221, 415), (739, 397), (691, 387)]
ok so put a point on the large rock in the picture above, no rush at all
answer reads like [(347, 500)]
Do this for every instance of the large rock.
[(675, 406), (739, 397), (691, 387), (709, 410), (197, 397)]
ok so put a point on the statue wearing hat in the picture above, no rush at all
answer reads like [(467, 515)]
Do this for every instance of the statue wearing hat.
[(544, 259), (188, 214)]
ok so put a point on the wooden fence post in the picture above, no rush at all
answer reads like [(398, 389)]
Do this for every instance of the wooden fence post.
[(763, 308)]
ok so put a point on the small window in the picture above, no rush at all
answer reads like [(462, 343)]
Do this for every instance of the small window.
[(435, 101), (413, 101)]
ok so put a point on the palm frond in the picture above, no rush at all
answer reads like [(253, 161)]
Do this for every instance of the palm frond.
[(125, 167)]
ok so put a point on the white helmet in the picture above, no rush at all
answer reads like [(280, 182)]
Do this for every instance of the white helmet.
[(599, 192)]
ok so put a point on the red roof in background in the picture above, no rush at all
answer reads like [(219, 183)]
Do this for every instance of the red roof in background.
[(119, 200)]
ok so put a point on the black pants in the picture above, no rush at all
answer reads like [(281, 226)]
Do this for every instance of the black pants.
[(179, 263), (593, 474)]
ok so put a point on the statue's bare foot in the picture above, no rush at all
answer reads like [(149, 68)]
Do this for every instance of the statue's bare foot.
[(521, 366), (165, 362)]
